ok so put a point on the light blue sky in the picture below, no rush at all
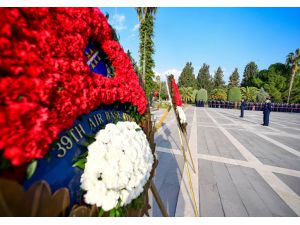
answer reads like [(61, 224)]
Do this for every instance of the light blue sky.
[(226, 37)]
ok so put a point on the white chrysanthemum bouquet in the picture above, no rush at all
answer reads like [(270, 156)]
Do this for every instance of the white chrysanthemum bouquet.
[(117, 167), (181, 114)]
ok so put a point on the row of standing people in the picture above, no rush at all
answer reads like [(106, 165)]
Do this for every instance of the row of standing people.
[(220, 104), (276, 107), (257, 106), (199, 103)]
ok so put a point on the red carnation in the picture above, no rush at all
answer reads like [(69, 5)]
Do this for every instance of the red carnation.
[(176, 95)]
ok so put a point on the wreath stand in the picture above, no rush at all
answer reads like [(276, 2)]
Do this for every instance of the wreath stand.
[(150, 134), (182, 132)]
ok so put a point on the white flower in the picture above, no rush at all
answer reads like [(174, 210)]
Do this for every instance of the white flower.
[(103, 136), (118, 165), (110, 200), (181, 114)]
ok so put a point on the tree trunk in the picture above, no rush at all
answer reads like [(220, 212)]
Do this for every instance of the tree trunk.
[(291, 85)]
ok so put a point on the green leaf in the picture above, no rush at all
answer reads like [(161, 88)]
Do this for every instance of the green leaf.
[(112, 213), (31, 168), (80, 163), (138, 203), (85, 143), (82, 156), (101, 212), (138, 129), (4, 163)]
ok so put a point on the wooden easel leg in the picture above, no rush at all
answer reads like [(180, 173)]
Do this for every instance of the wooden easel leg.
[(158, 199), (189, 175), (187, 144)]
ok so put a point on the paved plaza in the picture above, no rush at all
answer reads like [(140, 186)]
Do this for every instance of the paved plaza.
[(242, 168)]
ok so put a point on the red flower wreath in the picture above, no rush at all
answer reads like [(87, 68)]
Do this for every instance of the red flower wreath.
[(176, 94), (45, 81)]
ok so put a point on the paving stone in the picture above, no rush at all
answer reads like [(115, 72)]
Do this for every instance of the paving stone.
[(292, 182), (230, 198), (274, 203), (267, 152), (210, 202), (224, 189), (253, 203)]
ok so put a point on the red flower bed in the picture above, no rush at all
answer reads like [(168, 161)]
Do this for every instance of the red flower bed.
[(45, 81), (176, 95)]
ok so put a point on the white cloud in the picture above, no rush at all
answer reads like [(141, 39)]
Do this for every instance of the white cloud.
[(135, 28), (173, 71), (118, 21)]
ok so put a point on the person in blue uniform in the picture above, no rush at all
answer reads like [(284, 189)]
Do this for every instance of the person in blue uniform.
[(267, 108), (242, 107)]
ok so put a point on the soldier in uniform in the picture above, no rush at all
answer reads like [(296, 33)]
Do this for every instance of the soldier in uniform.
[(267, 108), (290, 107), (247, 106), (284, 107), (276, 107), (272, 105), (293, 107), (296, 109), (242, 107)]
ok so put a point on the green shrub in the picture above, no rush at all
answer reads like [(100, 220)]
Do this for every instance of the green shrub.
[(194, 95), (201, 95), (218, 94), (234, 94)]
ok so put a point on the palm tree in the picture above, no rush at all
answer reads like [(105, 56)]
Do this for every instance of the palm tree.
[(293, 61), (142, 11), (186, 93), (249, 93), (144, 15)]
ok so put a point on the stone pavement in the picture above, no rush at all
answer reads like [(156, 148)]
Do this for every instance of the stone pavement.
[(243, 168)]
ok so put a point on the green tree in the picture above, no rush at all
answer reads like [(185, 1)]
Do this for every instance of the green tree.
[(157, 85), (164, 91), (201, 95), (262, 95), (274, 81), (295, 93), (187, 77), (293, 61), (234, 94), (250, 73), (249, 93), (146, 17), (218, 94), (234, 79), (218, 78), (204, 78), (186, 94)]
